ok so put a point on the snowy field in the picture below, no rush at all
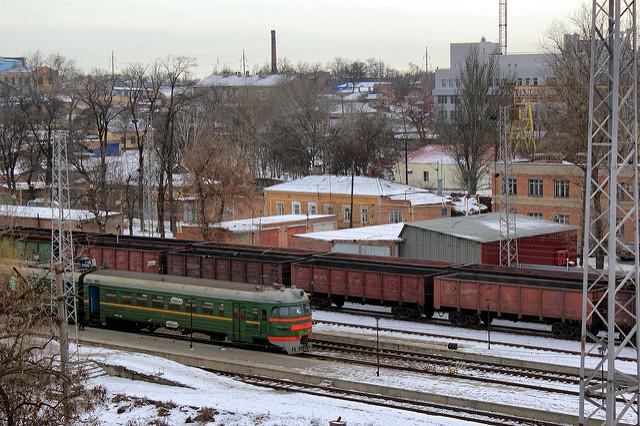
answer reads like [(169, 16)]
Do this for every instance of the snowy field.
[(231, 402)]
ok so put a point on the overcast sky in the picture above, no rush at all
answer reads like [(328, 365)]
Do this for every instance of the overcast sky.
[(216, 31)]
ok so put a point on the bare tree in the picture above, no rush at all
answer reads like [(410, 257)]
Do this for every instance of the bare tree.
[(13, 140), (218, 176), (176, 91), (472, 133), (96, 94), (143, 98), (45, 104), (30, 378), (566, 106), (363, 142), (302, 114)]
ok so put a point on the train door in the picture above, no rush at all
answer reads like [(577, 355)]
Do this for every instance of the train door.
[(264, 323), (94, 302), (239, 321)]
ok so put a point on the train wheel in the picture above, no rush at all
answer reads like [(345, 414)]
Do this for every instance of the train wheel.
[(487, 317), (556, 329), (338, 301), (454, 317), (471, 320)]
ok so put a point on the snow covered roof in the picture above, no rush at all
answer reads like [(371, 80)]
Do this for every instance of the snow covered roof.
[(239, 81), (47, 213), (362, 186), (485, 228), (254, 224), (432, 153), (389, 232), (352, 107)]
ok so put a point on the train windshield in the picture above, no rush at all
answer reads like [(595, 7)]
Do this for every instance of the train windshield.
[(291, 311)]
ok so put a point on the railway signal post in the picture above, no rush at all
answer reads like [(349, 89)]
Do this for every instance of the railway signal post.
[(610, 206)]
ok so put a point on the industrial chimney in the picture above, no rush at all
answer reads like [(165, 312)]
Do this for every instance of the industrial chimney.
[(274, 58)]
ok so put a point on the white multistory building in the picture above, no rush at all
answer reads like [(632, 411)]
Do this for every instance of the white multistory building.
[(525, 69)]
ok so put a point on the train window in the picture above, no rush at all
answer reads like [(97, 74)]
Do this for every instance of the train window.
[(254, 313), (110, 296), (141, 299), (175, 303), (280, 312), (295, 311), (307, 309), (221, 310), (125, 298), (157, 302), (207, 308)]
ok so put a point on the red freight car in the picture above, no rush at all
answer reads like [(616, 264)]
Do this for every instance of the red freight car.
[(470, 298), (406, 290), (239, 266), (126, 258)]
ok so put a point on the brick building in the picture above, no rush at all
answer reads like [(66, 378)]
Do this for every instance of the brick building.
[(549, 190), (375, 201)]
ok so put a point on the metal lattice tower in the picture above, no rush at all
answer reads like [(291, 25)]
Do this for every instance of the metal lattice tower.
[(61, 230), (508, 230), (148, 202), (611, 295), (502, 26)]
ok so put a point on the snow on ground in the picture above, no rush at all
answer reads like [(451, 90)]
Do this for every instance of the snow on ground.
[(476, 347), (236, 403)]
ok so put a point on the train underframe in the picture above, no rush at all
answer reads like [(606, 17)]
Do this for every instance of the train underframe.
[(406, 311)]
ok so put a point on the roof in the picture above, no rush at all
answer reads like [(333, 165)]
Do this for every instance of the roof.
[(362, 186), (485, 228), (438, 153), (432, 153), (240, 81), (254, 224), (47, 213), (389, 232), (12, 64), (194, 286)]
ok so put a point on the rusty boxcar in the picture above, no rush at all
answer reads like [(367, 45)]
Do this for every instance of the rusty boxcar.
[(471, 297), (405, 289)]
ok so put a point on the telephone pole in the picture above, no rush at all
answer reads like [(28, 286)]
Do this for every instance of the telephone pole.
[(611, 296)]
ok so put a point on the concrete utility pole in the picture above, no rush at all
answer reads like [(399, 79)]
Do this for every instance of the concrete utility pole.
[(612, 298)]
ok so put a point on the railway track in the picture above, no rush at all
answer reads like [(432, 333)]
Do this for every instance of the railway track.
[(459, 338), (443, 365), (445, 323), (415, 406)]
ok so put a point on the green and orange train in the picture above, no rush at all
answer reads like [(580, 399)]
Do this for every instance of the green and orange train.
[(237, 312)]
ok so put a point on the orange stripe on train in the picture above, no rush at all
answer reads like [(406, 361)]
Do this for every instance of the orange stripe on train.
[(301, 326), (290, 319)]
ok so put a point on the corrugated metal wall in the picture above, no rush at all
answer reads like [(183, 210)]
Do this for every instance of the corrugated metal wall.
[(420, 243)]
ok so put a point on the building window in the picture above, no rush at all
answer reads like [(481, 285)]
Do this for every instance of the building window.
[(535, 188), (346, 213), (457, 82), (279, 208), (295, 207), (444, 83), (328, 208), (535, 81), (395, 216), (519, 82), (527, 81), (425, 176), (451, 82), (561, 218), (364, 215), (442, 100), (535, 215), (452, 100), (511, 186), (562, 189), (312, 208)]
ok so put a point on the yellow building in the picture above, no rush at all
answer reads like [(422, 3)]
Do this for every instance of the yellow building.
[(375, 201), (433, 162)]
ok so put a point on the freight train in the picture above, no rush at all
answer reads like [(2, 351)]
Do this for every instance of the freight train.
[(470, 294)]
